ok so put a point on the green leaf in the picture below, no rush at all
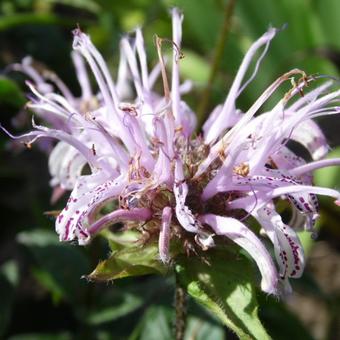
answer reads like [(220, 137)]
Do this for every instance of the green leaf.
[(49, 283), (130, 261), (11, 272), (129, 303), (121, 240), (203, 21), (200, 329), (281, 323), (88, 5), (307, 240), (10, 93), (224, 284), (155, 325), (19, 19), (38, 238), (328, 14), (194, 67), (134, 18), (8, 281), (329, 177), (61, 265)]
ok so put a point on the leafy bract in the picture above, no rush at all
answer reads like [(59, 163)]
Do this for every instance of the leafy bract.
[(129, 261), (224, 284)]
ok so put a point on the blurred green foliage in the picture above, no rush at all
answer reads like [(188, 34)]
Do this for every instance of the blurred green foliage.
[(41, 291)]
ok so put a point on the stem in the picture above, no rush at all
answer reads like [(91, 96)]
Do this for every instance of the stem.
[(181, 311), (216, 61)]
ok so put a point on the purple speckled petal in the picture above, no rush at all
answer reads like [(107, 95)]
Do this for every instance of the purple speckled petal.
[(287, 246), (184, 215), (89, 193), (143, 156)]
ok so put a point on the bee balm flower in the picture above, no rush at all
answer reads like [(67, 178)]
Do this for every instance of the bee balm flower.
[(144, 156)]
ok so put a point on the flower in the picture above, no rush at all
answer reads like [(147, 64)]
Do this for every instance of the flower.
[(144, 156)]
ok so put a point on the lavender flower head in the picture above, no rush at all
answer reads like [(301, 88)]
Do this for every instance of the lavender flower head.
[(144, 155)]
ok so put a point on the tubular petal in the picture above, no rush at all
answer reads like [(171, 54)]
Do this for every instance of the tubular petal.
[(245, 238), (164, 235)]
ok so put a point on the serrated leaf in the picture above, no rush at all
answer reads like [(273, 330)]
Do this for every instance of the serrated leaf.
[(131, 261), (225, 287)]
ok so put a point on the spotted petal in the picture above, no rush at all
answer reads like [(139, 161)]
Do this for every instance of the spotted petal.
[(89, 193), (288, 249)]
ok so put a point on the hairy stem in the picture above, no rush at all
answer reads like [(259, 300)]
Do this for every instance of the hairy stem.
[(181, 311), (216, 61)]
